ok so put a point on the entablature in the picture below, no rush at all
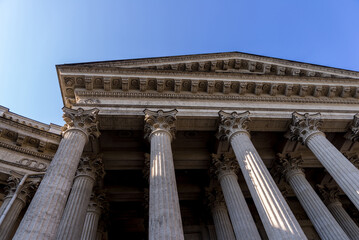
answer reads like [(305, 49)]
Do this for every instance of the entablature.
[(27, 136), (213, 87)]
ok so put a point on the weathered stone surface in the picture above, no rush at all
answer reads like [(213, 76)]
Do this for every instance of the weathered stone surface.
[(277, 218), (225, 167), (25, 193), (94, 210), (325, 224), (306, 128), (89, 170), (331, 199), (43, 216), (222, 223), (165, 221)]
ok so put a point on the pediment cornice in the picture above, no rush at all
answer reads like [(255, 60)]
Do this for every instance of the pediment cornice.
[(224, 62)]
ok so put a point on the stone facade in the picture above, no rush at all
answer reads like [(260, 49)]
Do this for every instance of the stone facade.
[(212, 146)]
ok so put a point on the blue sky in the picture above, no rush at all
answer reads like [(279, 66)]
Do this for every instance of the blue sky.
[(36, 35)]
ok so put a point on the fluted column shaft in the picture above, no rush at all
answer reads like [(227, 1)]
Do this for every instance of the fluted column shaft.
[(75, 212), (338, 166), (277, 218), (4, 205), (241, 218), (165, 217), (6, 228), (212, 232), (344, 220), (42, 219), (47, 206), (222, 223), (74, 215), (89, 230), (165, 221), (323, 221)]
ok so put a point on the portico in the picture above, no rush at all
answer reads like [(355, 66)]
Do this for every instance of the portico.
[(213, 126)]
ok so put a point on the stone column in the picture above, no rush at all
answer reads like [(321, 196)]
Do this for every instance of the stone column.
[(323, 221), (331, 199), (212, 232), (4, 205), (226, 167), (93, 215), (222, 223), (42, 218), (165, 221), (74, 215), (305, 128), (277, 218), (24, 195)]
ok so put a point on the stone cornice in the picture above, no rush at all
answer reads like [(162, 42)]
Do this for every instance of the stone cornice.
[(28, 124), (213, 57), (30, 129), (26, 140), (25, 151), (119, 72)]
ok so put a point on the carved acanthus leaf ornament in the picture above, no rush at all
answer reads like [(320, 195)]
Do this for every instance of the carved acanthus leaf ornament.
[(92, 167), (231, 123), (303, 126), (80, 119), (353, 133), (27, 189), (290, 164), (224, 163), (330, 194), (97, 202), (215, 197), (160, 121)]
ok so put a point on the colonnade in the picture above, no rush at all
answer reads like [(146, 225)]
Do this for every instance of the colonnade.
[(57, 213)]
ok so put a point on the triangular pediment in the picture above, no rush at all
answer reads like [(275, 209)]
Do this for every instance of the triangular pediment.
[(221, 76), (230, 62)]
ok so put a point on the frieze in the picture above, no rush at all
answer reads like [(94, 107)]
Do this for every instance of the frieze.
[(20, 140), (215, 97), (23, 150), (31, 165), (318, 91)]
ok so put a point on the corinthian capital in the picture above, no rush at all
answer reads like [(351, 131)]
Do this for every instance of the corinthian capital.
[(160, 121), (290, 164), (231, 123), (223, 164), (330, 194), (25, 192), (91, 167), (353, 132), (80, 119), (97, 203), (304, 125), (215, 197)]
